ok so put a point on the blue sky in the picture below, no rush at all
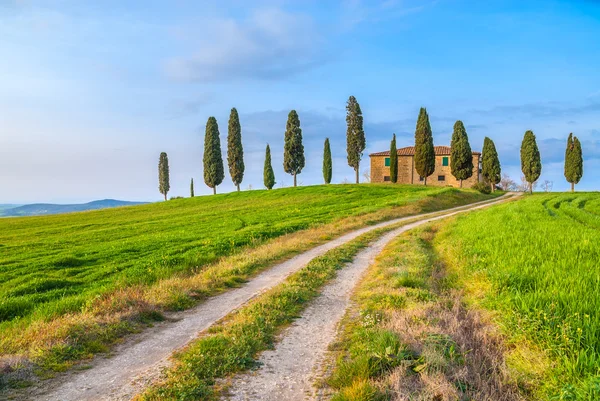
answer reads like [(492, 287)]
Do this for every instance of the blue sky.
[(92, 92)]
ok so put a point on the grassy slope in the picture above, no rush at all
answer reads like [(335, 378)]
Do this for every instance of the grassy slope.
[(53, 264), (71, 284), (535, 262)]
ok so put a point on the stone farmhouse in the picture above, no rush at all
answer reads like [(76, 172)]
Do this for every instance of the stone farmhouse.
[(380, 168)]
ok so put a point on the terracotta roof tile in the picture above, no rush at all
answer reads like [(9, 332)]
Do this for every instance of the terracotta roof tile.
[(410, 151)]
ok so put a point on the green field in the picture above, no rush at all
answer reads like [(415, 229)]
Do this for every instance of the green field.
[(72, 284), (51, 265), (535, 262)]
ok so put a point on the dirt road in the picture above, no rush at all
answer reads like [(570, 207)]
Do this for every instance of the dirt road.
[(287, 372)]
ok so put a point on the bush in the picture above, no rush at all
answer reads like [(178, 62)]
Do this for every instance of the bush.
[(482, 187)]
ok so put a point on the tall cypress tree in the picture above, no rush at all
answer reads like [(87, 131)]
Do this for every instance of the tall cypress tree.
[(490, 164), (268, 175), (213, 160), (293, 150), (461, 156), (355, 134), (573, 161), (424, 151), (531, 164), (327, 163), (192, 188), (235, 151), (163, 174), (393, 160)]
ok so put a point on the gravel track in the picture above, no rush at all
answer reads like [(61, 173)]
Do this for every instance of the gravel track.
[(137, 361), (288, 372)]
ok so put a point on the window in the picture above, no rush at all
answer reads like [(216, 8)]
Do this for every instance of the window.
[(441, 178), (386, 178), (444, 162), (420, 178), (387, 161)]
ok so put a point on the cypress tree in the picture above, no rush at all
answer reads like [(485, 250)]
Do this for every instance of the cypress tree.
[(531, 164), (327, 163), (163, 174), (573, 161), (213, 160), (192, 188), (355, 134), (461, 156), (490, 164), (424, 151), (268, 175), (235, 151), (293, 150), (393, 160)]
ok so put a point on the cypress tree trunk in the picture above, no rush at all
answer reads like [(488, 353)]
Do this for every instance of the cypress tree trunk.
[(238, 187), (215, 190), (294, 179), (425, 181), (461, 183), (357, 174), (165, 196), (572, 187)]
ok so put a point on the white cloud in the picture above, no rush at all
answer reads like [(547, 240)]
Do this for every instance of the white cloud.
[(269, 44)]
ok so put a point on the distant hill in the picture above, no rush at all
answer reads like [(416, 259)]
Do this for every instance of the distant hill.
[(4, 206), (38, 209)]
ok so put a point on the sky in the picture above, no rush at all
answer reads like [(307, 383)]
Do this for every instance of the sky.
[(93, 91)]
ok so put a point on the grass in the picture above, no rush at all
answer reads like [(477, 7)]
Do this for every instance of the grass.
[(70, 285), (408, 335), (535, 263)]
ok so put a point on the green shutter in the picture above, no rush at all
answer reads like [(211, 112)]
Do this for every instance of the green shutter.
[(387, 161), (444, 161)]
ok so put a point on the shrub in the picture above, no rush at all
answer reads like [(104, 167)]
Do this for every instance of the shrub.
[(482, 187)]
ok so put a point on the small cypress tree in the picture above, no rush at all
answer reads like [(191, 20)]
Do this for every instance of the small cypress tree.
[(192, 188), (490, 164), (235, 151), (424, 151), (461, 156), (213, 160), (268, 175), (393, 160), (293, 150), (355, 134), (531, 163), (163, 174), (573, 161), (327, 163)]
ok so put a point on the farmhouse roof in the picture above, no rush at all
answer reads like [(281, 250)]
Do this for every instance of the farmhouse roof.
[(410, 151)]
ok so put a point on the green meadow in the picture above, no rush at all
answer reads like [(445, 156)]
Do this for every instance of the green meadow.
[(52, 265), (535, 262)]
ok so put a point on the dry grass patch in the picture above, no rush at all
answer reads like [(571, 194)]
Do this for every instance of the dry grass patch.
[(443, 349)]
